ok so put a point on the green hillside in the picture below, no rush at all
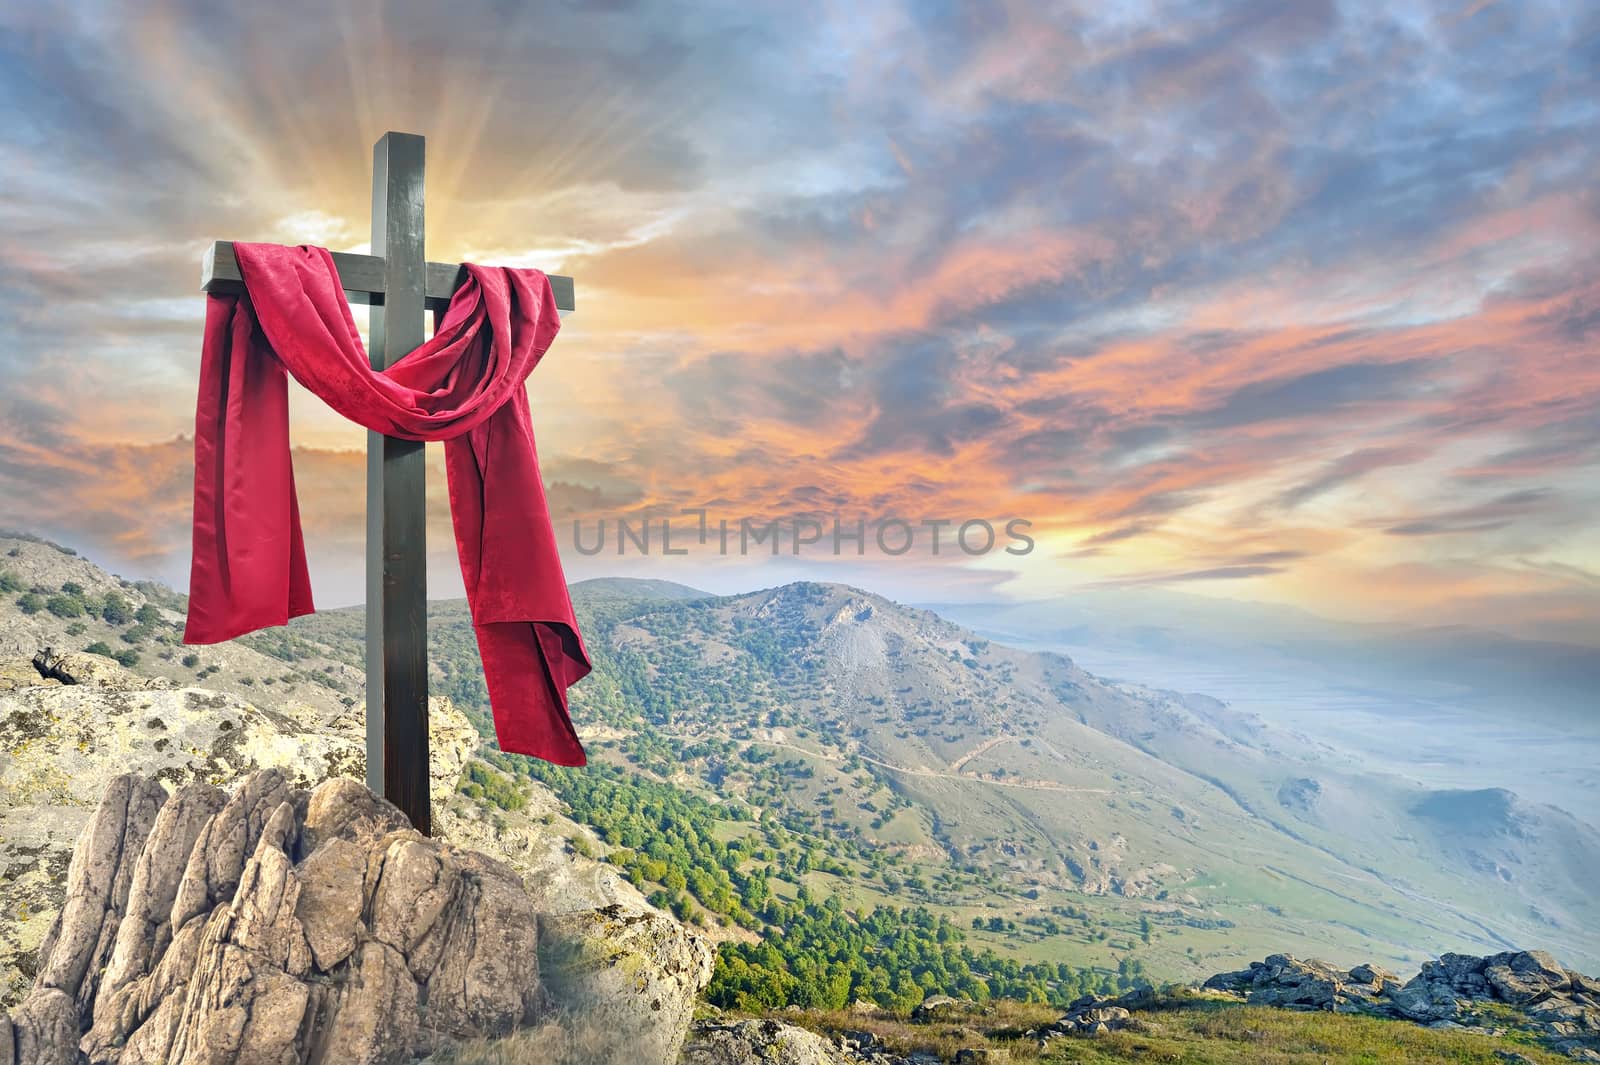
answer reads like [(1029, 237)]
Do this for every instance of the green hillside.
[(877, 756)]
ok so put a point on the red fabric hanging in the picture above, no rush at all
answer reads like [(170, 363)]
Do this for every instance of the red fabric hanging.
[(465, 387)]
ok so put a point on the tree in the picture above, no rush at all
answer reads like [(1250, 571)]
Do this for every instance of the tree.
[(100, 647), (128, 658), (149, 614), (30, 603)]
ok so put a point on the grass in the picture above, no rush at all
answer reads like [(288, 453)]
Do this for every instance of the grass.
[(1266, 1036), (1186, 1031)]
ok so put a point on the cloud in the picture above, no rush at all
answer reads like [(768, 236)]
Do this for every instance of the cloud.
[(1350, 467), (1297, 295), (1214, 573), (1496, 514), (1323, 392)]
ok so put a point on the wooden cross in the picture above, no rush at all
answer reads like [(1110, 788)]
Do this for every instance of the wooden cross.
[(400, 285)]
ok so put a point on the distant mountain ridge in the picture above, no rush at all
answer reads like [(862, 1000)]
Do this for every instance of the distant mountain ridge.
[(641, 588)]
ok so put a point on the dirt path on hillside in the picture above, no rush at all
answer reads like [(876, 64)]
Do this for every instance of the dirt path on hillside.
[(1026, 785), (986, 745)]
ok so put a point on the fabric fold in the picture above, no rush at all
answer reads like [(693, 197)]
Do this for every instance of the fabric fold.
[(465, 386)]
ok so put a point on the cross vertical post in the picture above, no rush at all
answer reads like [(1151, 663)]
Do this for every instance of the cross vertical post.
[(399, 285), (397, 591)]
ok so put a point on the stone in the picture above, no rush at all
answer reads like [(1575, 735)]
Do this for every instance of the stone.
[(632, 974), (770, 1042), (102, 871), (331, 900), (44, 1030), (217, 860), (1374, 975), (1450, 992), (481, 956), (374, 1017), (1090, 1015), (344, 808), (936, 1006), (240, 1008), (146, 926)]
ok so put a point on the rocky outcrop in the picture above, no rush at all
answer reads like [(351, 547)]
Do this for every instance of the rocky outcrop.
[(1285, 981), (291, 926), (1088, 1016), (63, 741), (1525, 989), (96, 671)]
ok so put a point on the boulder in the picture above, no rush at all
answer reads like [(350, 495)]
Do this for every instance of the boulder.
[(983, 1056), (632, 974), (938, 1007), (1555, 1000), (1089, 1015), (767, 1041)]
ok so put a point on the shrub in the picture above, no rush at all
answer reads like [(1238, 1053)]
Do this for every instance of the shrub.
[(149, 614), (30, 603), (116, 610), (9, 582), (77, 628), (190, 661), (128, 658), (100, 647), (64, 606), (71, 588)]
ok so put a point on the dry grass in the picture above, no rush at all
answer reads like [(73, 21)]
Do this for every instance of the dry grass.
[(560, 1042)]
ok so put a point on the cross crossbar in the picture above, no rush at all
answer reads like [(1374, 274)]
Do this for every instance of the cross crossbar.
[(362, 277)]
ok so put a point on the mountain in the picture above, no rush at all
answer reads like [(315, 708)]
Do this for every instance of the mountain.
[(816, 745), (634, 589), (1016, 789)]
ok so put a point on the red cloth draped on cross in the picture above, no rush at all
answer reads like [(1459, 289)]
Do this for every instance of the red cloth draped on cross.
[(465, 387)]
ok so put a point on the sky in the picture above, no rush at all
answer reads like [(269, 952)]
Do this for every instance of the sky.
[(1284, 303)]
